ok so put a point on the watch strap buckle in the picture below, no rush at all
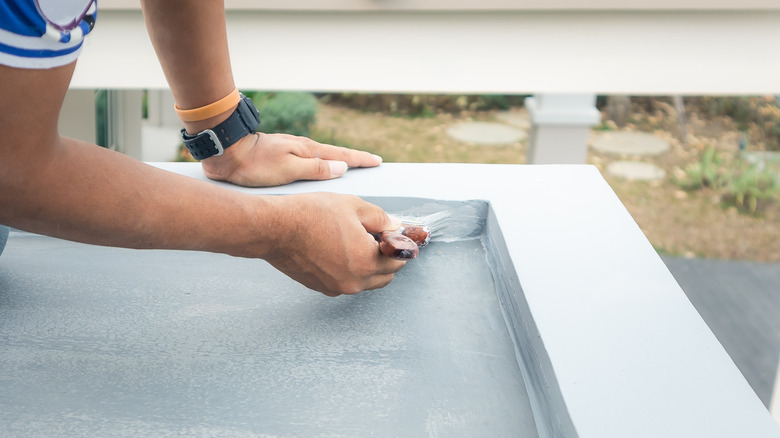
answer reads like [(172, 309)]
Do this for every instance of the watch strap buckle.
[(213, 142), (205, 144), (216, 142)]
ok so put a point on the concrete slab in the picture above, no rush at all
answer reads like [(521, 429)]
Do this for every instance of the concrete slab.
[(119, 342), (486, 133), (629, 143), (636, 170), (520, 119)]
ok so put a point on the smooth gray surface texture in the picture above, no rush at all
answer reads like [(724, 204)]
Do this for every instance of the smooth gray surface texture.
[(106, 342), (740, 301)]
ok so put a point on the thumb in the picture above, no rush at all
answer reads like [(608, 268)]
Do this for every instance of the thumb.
[(375, 220), (319, 169)]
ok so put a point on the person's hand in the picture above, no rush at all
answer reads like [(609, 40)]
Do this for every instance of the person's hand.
[(324, 243), (264, 160)]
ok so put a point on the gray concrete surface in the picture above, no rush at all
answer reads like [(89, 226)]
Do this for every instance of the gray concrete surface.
[(84, 330), (740, 302), (115, 342)]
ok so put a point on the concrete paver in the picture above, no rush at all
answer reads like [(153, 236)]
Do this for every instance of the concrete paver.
[(515, 118), (486, 133), (629, 143), (636, 170)]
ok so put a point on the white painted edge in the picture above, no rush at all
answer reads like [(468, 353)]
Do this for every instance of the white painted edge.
[(774, 404)]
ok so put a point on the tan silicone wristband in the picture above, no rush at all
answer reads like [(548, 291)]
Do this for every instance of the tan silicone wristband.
[(210, 110)]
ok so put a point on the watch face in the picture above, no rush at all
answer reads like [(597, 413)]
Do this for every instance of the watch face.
[(249, 114)]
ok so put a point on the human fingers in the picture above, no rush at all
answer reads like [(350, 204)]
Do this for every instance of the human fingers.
[(317, 169), (323, 161), (380, 281), (389, 265), (374, 219), (353, 157), (330, 249)]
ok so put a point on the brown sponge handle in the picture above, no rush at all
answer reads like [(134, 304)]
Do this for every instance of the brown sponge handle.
[(396, 245)]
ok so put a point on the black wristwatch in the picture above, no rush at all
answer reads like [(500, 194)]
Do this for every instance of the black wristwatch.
[(213, 142)]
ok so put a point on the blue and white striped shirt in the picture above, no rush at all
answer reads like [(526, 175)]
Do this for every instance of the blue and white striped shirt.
[(44, 33)]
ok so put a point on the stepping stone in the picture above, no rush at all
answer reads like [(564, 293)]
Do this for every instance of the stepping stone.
[(486, 133), (629, 143), (515, 118), (636, 170)]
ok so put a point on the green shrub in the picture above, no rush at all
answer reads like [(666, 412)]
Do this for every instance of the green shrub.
[(747, 186), (751, 187), (289, 112), (710, 171)]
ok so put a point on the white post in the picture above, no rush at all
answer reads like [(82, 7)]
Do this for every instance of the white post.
[(161, 138), (160, 106), (77, 116), (560, 125), (123, 113)]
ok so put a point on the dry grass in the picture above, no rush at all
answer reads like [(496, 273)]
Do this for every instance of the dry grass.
[(409, 140), (691, 224)]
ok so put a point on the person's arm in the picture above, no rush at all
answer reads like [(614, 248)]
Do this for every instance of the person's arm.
[(191, 42), (78, 191)]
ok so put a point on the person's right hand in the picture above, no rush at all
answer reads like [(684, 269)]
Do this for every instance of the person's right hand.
[(326, 246)]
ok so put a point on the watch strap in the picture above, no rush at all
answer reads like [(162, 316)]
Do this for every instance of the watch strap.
[(213, 142)]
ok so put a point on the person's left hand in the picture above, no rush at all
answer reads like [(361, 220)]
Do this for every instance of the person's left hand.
[(264, 160)]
